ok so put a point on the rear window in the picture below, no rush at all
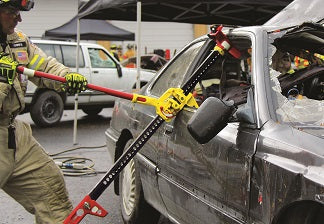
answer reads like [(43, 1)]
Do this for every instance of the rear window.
[(65, 54), (69, 56)]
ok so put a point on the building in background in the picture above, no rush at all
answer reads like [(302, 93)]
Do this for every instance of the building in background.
[(48, 14)]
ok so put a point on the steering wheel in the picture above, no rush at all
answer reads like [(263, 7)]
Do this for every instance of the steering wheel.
[(316, 89), (292, 93)]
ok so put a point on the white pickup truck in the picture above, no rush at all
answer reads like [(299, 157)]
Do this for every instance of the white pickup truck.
[(97, 65)]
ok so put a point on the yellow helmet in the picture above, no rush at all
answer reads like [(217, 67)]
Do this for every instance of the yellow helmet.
[(113, 47)]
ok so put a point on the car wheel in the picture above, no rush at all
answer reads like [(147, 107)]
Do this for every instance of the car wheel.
[(92, 111), (47, 109), (134, 208), (306, 213)]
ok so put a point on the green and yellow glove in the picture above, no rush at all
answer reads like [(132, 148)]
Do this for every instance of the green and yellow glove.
[(75, 83), (7, 69)]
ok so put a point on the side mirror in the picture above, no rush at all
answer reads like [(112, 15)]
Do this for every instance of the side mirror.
[(119, 70), (210, 118)]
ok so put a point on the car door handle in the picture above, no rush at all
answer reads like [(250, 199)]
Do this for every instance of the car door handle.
[(95, 71)]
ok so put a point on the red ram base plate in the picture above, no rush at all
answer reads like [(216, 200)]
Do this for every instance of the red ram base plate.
[(86, 206)]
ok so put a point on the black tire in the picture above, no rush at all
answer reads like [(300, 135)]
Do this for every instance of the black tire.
[(306, 213), (92, 111), (134, 208), (47, 109)]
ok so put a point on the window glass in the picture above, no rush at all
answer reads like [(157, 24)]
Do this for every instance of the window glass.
[(100, 59), (48, 49), (58, 53), (69, 56), (297, 75), (174, 74)]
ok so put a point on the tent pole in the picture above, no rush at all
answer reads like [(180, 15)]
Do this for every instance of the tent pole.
[(75, 123), (138, 44)]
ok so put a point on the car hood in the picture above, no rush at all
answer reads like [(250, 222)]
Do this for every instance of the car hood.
[(298, 12), (145, 75)]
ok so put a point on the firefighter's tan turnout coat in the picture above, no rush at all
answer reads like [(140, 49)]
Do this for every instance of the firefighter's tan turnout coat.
[(27, 173)]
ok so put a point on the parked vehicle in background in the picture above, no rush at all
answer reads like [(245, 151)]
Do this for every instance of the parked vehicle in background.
[(261, 161), (97, 65), (148, 61)]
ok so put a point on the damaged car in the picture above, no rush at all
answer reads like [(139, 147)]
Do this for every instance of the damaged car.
[(253, 152)]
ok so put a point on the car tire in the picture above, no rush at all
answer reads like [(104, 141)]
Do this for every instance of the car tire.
[(47, 109), (134, 208), (92, 111), (306, 213)]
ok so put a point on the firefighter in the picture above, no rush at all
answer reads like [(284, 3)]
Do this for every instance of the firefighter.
[(27, 173), (113, 51), (300, 63), (120, 52), (130, 52)]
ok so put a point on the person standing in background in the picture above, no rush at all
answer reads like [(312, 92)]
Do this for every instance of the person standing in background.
[(113, 51), (130, 51), (120, 52)]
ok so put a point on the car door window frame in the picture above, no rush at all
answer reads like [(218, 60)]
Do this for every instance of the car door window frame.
[(97, 61)]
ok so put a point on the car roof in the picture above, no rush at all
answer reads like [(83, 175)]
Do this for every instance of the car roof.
[(298, 12), (72, 43)]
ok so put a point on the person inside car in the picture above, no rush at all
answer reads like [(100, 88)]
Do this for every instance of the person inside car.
[(281, 62), (27, 173)]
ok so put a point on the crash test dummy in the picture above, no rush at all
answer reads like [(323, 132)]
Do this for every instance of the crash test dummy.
[(27, 173)]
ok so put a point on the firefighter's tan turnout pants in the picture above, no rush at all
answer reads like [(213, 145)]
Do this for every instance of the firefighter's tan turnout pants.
[(31, 177)]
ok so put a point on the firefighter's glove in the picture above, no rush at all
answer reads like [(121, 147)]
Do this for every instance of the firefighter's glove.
[(75, 83), (7, 69)]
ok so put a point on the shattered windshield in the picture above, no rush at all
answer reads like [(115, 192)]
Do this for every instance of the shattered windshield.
[(296, 66)]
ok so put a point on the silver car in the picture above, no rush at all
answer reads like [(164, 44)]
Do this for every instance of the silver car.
[(253, 152)]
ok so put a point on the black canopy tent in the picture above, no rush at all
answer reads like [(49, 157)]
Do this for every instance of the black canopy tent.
[(90, 29), (227, 12)]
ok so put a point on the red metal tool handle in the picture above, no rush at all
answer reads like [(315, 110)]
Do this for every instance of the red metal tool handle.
[(86, 206), (112, 92), (223, 41)]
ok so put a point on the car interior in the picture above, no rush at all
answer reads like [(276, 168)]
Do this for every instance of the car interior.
[(228, 78), (307, 77)]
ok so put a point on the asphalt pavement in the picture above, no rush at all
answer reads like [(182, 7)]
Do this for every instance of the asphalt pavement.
[(90, 139), (90, 133)]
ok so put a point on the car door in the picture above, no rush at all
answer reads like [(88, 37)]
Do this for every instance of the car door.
[(141, 115), (207, 183), (103, 73)]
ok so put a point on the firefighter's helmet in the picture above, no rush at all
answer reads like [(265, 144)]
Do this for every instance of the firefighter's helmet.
[(22, 5), (113, 47)]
